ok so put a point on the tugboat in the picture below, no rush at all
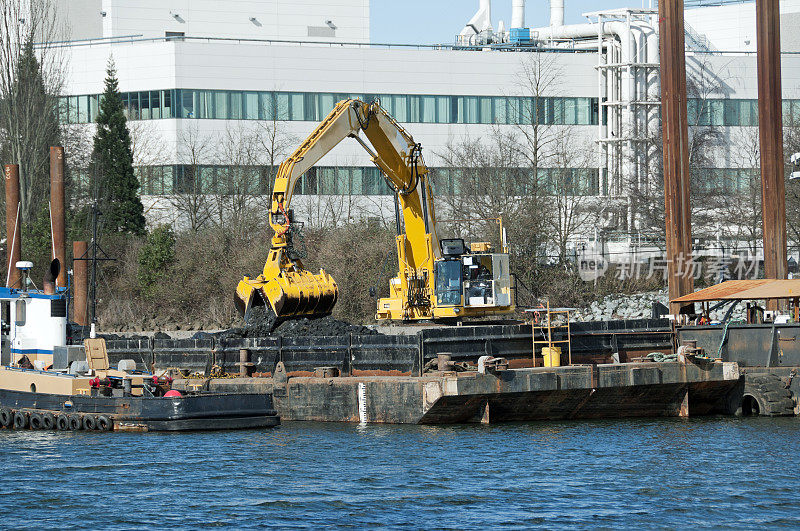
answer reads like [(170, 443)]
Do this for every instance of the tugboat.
[(41, 388)]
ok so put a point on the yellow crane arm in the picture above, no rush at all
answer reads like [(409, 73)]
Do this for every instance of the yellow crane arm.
[(291, 290)]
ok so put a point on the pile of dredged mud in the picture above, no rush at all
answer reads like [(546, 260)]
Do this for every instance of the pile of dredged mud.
[(261, 322)]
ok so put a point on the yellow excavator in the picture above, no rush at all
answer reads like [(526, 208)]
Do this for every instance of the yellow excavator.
[(436, 279)]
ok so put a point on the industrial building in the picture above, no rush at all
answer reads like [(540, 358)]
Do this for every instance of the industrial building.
[(217, 88)]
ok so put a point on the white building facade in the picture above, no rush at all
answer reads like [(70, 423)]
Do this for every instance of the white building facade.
[(201, 69)]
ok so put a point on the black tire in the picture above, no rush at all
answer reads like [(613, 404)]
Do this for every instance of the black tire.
[(104, 423), (89, 423), (75, 422), (20, 420), (766, 395), (62, 422), (48, 421), (6, 418), (36, 421)]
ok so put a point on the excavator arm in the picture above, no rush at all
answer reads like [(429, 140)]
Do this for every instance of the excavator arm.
[(284, 284)]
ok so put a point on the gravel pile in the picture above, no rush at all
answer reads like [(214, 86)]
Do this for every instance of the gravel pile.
[(638, 306)]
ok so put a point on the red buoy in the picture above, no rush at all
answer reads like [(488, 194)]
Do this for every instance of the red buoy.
[(172, 394)]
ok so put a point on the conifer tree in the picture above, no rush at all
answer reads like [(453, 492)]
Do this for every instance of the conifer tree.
[(118, 188)]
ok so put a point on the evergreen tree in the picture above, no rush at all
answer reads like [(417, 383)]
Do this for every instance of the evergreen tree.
[(118, 188), (29, 121)]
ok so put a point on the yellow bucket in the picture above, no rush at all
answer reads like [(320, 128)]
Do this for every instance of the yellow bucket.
[(552, 356)]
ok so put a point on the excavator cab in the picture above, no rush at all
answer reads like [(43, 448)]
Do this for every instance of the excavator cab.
[(477, 279)]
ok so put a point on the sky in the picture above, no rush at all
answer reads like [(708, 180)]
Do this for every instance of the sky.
[(439, 21)]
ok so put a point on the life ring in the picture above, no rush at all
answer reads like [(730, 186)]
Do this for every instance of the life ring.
[(6, 418), (75, 422), (36, 421), (104, 423), (48, 421), (20, 420), (89, 423), (62, 422)]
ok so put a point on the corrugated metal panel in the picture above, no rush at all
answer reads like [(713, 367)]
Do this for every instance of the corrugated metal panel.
[(746, 290)]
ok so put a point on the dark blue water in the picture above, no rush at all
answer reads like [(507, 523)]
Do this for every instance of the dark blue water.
[(715, 472)]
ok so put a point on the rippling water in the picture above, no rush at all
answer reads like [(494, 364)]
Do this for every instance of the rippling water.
[(640, 473)]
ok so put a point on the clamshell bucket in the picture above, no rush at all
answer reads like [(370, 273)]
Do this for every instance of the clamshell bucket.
[(290, 294)]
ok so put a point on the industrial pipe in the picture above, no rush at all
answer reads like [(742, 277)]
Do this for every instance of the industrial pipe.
[(13, 235), (57, 217), (80, 282), (50, 276)]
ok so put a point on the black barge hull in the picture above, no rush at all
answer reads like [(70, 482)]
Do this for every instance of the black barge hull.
[(203, 411)]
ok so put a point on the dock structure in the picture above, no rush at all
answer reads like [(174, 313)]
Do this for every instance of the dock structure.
[(669, 389)]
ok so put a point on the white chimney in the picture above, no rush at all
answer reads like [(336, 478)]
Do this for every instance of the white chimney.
[(556, 13), (517, 13)]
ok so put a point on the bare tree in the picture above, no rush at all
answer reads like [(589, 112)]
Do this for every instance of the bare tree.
[(31, 78), (189, 199)]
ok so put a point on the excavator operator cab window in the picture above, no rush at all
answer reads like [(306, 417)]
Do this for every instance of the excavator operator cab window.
[(478, 280), (447, 279)]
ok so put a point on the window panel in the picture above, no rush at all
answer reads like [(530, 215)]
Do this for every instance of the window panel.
[(186, 103), (267, 105), (427, 111), (296, 107), (443, 110), (83, 109), (235, 110), (282, 105), (221, 110), (400, 108), (356, 181)]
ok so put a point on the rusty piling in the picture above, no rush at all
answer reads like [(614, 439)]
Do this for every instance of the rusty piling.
[(770, 136), (676, 150), (13, 232), (80, 280), (57, 216)]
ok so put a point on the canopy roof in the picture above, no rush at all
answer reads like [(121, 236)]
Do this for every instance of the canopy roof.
[(739, 290)]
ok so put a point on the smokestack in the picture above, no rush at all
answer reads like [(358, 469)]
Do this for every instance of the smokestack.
[(556, 13), (57, 220), (13, 236), (517, 13), (80, 278)]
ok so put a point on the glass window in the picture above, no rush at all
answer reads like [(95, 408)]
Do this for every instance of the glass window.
[(166, 104), (235, 111), (83, 109), (570, 111), (717, 108), (356, 181), (63, 109), (443, 110), (73, 109), (250, 106), (221, 111), (144, 102), (485, 113), (155, 105), (427, 109), (296, 107), (282, 105), (266, 105), (187, 103), (400, 108), (326, 183)]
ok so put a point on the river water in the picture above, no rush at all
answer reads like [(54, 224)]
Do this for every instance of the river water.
[(702, 472)]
